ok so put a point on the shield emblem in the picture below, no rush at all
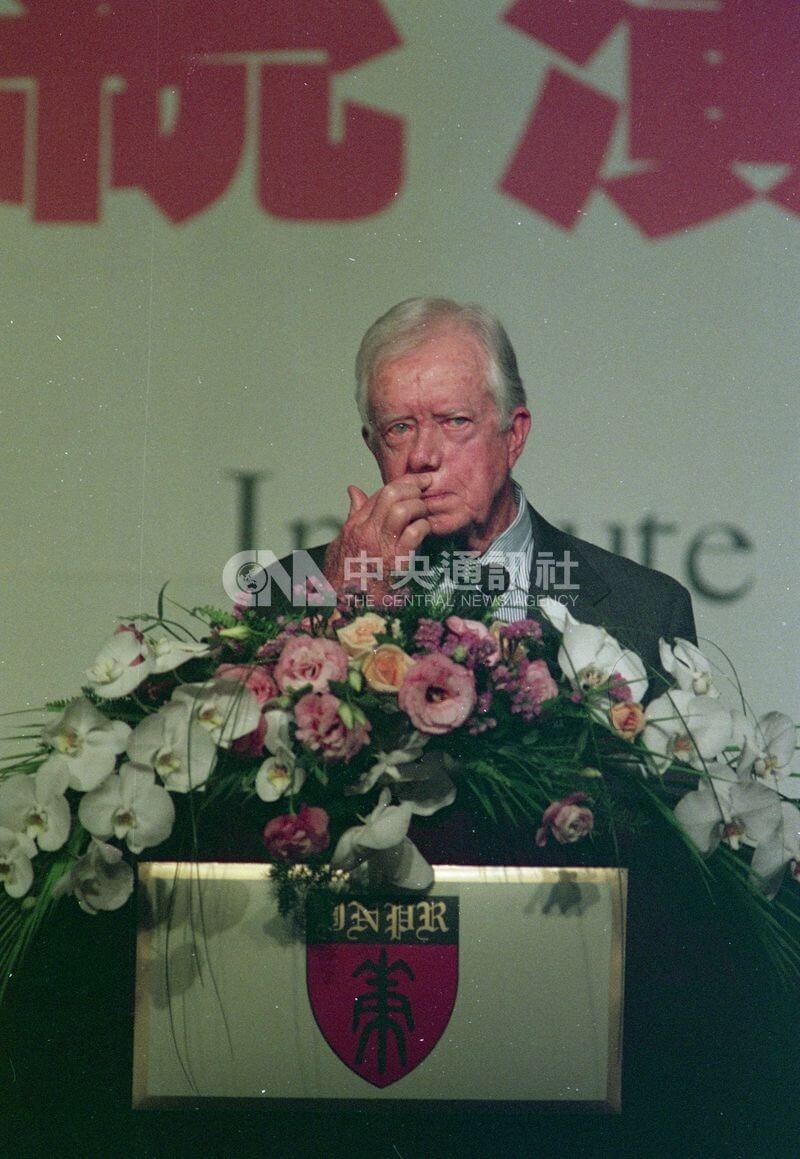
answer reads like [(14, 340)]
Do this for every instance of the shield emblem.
[(382, 979)]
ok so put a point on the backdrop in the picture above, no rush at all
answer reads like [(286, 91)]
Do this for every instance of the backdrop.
[(205, 205)]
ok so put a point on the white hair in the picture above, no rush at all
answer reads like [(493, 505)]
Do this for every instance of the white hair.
[(407, 326)]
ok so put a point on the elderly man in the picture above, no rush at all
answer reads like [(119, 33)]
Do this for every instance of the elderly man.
[(444, 413)]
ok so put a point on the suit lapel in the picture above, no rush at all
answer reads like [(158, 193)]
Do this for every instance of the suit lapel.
[(551, 544)]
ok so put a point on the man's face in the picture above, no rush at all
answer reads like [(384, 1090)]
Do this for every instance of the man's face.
[(434, 415)]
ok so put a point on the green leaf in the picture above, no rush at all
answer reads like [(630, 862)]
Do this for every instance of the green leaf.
[(160, 602)]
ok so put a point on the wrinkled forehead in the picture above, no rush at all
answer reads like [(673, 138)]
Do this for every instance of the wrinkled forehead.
[(445, 361)]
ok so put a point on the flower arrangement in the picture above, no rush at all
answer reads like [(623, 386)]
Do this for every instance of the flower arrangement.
[(339, 726)]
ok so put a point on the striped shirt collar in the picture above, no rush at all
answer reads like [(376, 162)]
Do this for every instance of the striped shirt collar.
[(513, 550)]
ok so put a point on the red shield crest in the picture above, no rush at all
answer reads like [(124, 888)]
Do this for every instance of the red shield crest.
[(382, 980)]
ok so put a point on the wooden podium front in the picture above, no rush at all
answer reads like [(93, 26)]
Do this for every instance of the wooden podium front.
[(501, 985)]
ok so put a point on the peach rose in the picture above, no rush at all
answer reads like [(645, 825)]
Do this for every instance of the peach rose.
[(358, 637), (627, 720), (385, 669)]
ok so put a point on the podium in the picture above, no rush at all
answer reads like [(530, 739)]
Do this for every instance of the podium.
[(501, 985)]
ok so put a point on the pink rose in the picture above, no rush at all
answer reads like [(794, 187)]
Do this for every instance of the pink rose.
[(310, 660), (253, 676), (296, 836), (535, 678), (437, 694), (321, 728), (567, 820)]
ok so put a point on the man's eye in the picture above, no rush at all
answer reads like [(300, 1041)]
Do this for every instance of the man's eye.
[(397, 429), (457, 421)]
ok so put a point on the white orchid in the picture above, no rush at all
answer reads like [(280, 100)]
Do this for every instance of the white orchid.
[(175, 746), (100, 880), (34, 804), (688, 667), (165, 653), (278, 776), (590, 656), (121, 664), (731, 807), (743, 732), (706, 811), (16, 871), (85, 744), (555, 612), (392, 766), (130, 806), (392, 859), (756, 817), (768, 749), (422, 779), (779, 842), (226, 709), (685, 729), (277, 737), (428, 785)]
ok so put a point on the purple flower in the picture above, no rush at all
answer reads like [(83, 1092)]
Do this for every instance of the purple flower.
[(428, 636), (484, 703), (521, 630), (470, 642), (619, 689)]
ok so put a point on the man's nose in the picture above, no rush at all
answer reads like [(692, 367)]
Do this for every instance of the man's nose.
[(426, 451)]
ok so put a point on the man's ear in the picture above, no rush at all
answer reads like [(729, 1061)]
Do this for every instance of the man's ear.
[(366, 435), (518, 430)]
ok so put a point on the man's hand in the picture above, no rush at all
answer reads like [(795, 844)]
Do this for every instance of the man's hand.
[(392, 522)]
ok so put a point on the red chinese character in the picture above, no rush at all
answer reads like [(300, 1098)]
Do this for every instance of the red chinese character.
[(78, 51), (710, 86), (12, 145)]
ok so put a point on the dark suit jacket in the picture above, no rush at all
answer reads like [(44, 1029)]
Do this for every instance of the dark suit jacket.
[(635, 603)]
